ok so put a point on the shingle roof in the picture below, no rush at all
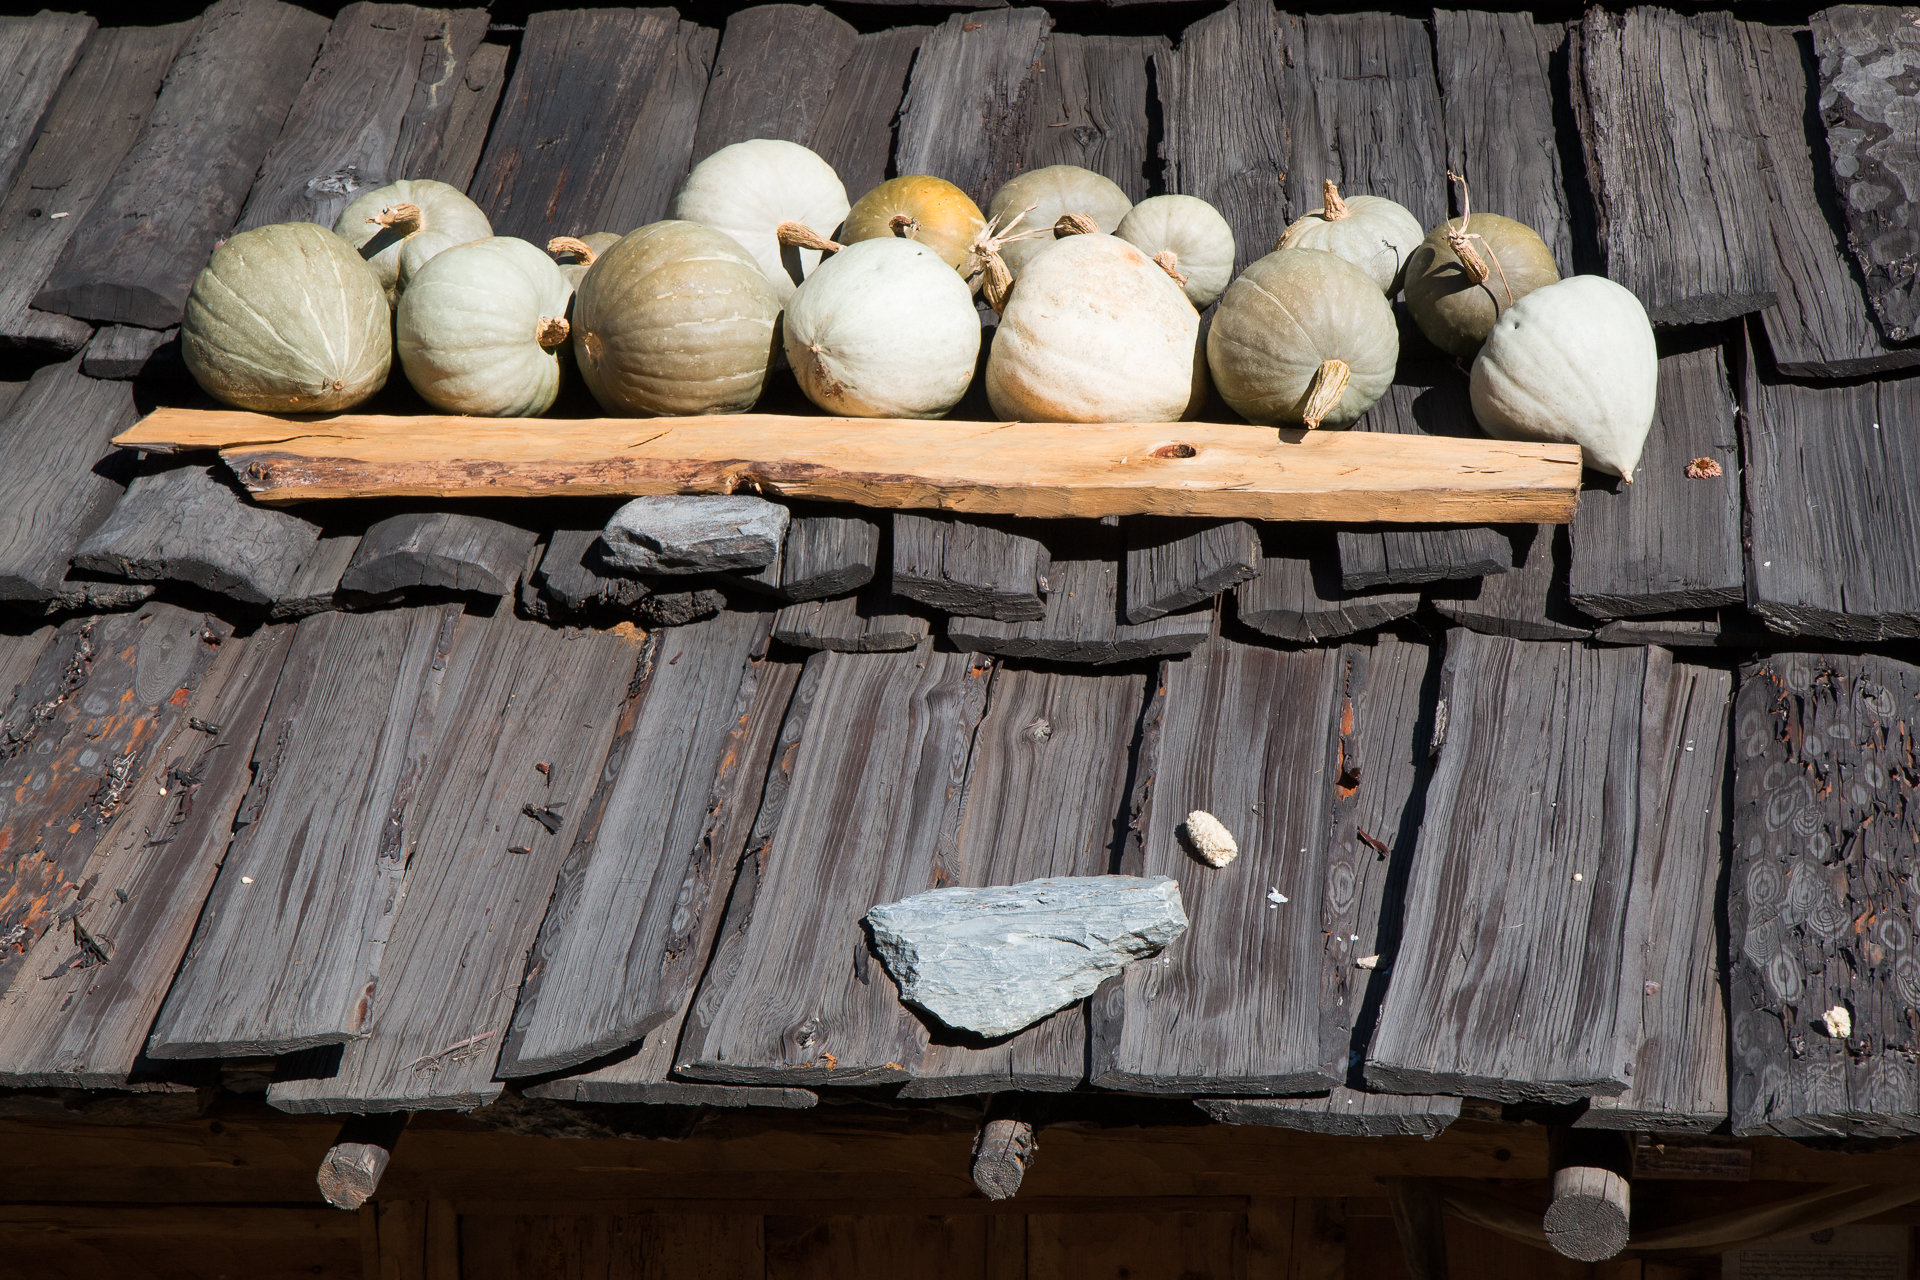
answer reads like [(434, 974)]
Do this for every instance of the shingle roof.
[(430, 802)]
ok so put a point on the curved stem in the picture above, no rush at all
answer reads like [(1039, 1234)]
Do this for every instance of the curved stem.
[(1335, 208), (582, 251), (1075, 224), (1324, 392), (404, 218), (798, 235), (905, 226)]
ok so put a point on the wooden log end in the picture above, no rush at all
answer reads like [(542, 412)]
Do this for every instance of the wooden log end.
[(1590, 1216), (350, 1171), (1001, 1154)]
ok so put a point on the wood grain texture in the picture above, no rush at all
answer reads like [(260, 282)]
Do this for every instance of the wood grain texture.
[(59, 477), (1046, 789), (1536, 781), (1496, 97), (1348, 1113), (970, 567), (447, 550), (1196, 1242), (104, 699), (81, 595), (979, 468), (186, 524), (1235, 1006), (1666, 125), (848, 133), (1667, 542), (571, 579), (828, 552), (316, 583), (469, 115), (615, 955), (20, 649), (864, 797), (1818, 911), (1867, 100), (1680, 1066), (101, 112), (1366, 113), (371, 111), (480, 867), (1176, 564), (1223, 95), (1826, 491), (1530, 602), (1297, 594), (1428, 402), (969, 107), (1091, 105), (123, 350), (776, 68), (36, 53), (1823, 326), (287, 952), (82, 1023), (138, 247), (660, 142), (871, 622)]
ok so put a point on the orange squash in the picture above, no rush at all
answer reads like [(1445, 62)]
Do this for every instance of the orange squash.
[(929, 211)]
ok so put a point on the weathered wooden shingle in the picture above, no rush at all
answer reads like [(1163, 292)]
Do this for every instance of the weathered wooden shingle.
[(1346, 1113), (444, 550), (828, 552), (615, 958), (59, 476), (1175, 564), (1529, 602), (36, 53), (464, 132), (1091, 107), (1297, 594), (1671, 156), (124, 350), (777, 66), (970, 567), (854, 133), (871, 622), (497, 808), (1235, 1006), (1365, 112), (1518, 973), (138, 248), (1820, 903), (969, 107), (316, 582)]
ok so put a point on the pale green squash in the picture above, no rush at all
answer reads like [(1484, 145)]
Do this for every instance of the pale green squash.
[(1041, 197), (480, 326), (380, 222)]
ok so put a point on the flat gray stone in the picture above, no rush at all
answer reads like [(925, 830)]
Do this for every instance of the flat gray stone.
[(995, 960), (695, 534)]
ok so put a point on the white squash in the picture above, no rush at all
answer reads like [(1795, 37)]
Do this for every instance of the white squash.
[(1573, 362), (750, 188), (884, 329), (381, 222), (1042, 197), (1095, 331), (1188, 238), (1372, 232), (480, 326)]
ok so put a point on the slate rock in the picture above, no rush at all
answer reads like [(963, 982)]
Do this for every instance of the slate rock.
[(681, 533), (995, 960)]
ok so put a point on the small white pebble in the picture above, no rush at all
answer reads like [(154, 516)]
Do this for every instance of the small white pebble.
[(246, 879), (1367, 962), (69, 214), (1276, 897), (1577, 877), (1209, 839), (1838, 1022)]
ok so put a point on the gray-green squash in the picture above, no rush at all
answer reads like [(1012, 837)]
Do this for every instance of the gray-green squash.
[(287, 319), (1303, 338), (1468, 271), (479, 329), (1372, 232), (1188, 238), (381, 222), (677, 318), (1041, 197)]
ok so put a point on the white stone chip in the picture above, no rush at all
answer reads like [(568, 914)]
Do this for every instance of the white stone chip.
[(1209, 839), (1838, 1021)]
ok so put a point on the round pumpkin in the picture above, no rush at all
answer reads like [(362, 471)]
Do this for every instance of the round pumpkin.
[(1455, 302), (379, 222), (1041, 197), (287, 319), (1372, 232), (750, 189), (1303, 338), (1574, 362), (929, 211), (580, 252), (675, 319), (480, 327), (884, 329), (1095, 331), (1188, 238)]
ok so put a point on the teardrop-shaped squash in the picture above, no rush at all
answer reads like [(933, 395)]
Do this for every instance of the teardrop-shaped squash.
[(1575, 362), (480, 326), (1043, 197), (1303, 338), (928, 211), (884, 329), (1372, 232), (1188, 238), (379, 222), (1455, 303), (749, 189), (287, 319), (577, 253), (1095, 331), (675, 319)]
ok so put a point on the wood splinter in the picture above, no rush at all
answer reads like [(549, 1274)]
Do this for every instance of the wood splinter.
[(1001, 1153), (351, 1169)]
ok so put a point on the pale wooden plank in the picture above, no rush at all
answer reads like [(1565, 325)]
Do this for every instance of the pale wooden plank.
[(58, 475), (1096, 469), (776, 67), (36, 53), (969, 106)]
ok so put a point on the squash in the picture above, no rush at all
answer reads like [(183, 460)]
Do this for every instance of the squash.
[(752, 189), (580, 252), (379, 222), (675, 319), (480, 326), (1575, 362), (1468, 271), (1096, 331), (884, 329), (1039, 198), (287, 319), (1188, 238), (931, 211), (1372, 232), (1303, 337)]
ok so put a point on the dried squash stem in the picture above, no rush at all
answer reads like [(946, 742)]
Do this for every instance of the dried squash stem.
[(798, 235), (1324, 392), (404, 218), (582, 251), (551, 331)]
